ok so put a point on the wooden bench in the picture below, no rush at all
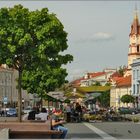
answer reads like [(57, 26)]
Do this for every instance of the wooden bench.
[(26, 130)]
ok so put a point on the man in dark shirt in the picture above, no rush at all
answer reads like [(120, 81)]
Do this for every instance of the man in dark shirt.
[(57, 124), (32, 114)]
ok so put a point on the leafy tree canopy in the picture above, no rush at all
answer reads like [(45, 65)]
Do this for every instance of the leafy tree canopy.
[(127, 99), (28, 39), (33, 43), (104, 99), (121, 70)]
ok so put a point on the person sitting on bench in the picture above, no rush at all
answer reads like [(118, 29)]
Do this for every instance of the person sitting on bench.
[(57, 124)]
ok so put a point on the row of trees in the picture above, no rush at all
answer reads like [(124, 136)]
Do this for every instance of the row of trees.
[(33, 42)]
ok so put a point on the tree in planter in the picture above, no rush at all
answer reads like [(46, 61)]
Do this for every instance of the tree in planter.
[(127, 99), (31, 40)]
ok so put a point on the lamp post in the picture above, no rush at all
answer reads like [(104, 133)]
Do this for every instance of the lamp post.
[(23, 104)]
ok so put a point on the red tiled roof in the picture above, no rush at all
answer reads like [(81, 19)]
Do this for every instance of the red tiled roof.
[(77, 82), (96, 74), (124, 81)]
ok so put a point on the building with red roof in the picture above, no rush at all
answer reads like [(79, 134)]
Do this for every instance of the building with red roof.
[(92, 77), (121, 87)]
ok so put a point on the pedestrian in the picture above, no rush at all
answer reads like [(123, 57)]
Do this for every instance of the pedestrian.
[(31, 115), (57, 124), (68, 111), (78, 111), (43, 115)]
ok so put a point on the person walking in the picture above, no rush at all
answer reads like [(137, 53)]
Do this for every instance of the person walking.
[(78, 110), (68, 111)]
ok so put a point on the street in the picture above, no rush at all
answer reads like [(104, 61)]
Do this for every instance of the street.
[(103, 130), (98, 130)]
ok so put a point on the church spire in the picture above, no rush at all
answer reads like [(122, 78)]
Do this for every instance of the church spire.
[(135, 25), (136, 12), (134, 38)]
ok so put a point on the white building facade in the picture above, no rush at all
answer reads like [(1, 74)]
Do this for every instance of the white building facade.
[(136, 81), (8, 88)]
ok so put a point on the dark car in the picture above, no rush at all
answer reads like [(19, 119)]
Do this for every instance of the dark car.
[(12, 112), (127, 110)]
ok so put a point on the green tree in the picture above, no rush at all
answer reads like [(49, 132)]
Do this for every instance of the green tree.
[(42, 82), (122, 70), (127, 99), (104, 99), (31, 40)]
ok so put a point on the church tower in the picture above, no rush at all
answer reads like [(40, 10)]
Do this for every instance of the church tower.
[(134, 37)]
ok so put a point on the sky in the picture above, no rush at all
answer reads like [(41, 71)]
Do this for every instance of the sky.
[(98, 31)]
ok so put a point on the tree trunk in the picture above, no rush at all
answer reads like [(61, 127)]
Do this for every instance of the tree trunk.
[(19, 97)]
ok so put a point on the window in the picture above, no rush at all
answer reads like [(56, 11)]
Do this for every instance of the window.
[(133, 74), (137, 88), (137, 74), (137, 48), (133, 89)]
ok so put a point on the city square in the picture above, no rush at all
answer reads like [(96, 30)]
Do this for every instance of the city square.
[(69, 70)]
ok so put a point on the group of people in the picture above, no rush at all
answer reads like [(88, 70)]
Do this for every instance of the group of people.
[(74, 112), (57, 123)]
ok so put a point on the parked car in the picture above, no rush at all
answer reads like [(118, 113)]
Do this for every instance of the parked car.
[(12, 112), (127, 110)]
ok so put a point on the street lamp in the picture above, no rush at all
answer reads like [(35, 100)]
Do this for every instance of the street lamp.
[(22, 103)]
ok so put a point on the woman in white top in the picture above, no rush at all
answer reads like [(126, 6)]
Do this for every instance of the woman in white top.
[(43, 115)]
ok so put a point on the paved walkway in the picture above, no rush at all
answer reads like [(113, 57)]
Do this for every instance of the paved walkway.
[(80, 131), (104, 130), (101, 133)]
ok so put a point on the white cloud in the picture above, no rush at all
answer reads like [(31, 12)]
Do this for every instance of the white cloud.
[(101, 36), (97, 37)]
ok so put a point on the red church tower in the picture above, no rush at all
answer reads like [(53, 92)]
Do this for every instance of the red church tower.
[(134, 37)]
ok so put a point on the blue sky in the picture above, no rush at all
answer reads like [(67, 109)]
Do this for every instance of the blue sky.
[(98, 32)]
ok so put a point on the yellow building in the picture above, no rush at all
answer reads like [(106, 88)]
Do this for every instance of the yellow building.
[(122, 86)]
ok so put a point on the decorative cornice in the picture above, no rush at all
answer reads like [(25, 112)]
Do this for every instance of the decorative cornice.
[(133, 54)]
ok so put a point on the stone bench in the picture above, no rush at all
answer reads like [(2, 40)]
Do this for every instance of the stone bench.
[(27, 130)]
